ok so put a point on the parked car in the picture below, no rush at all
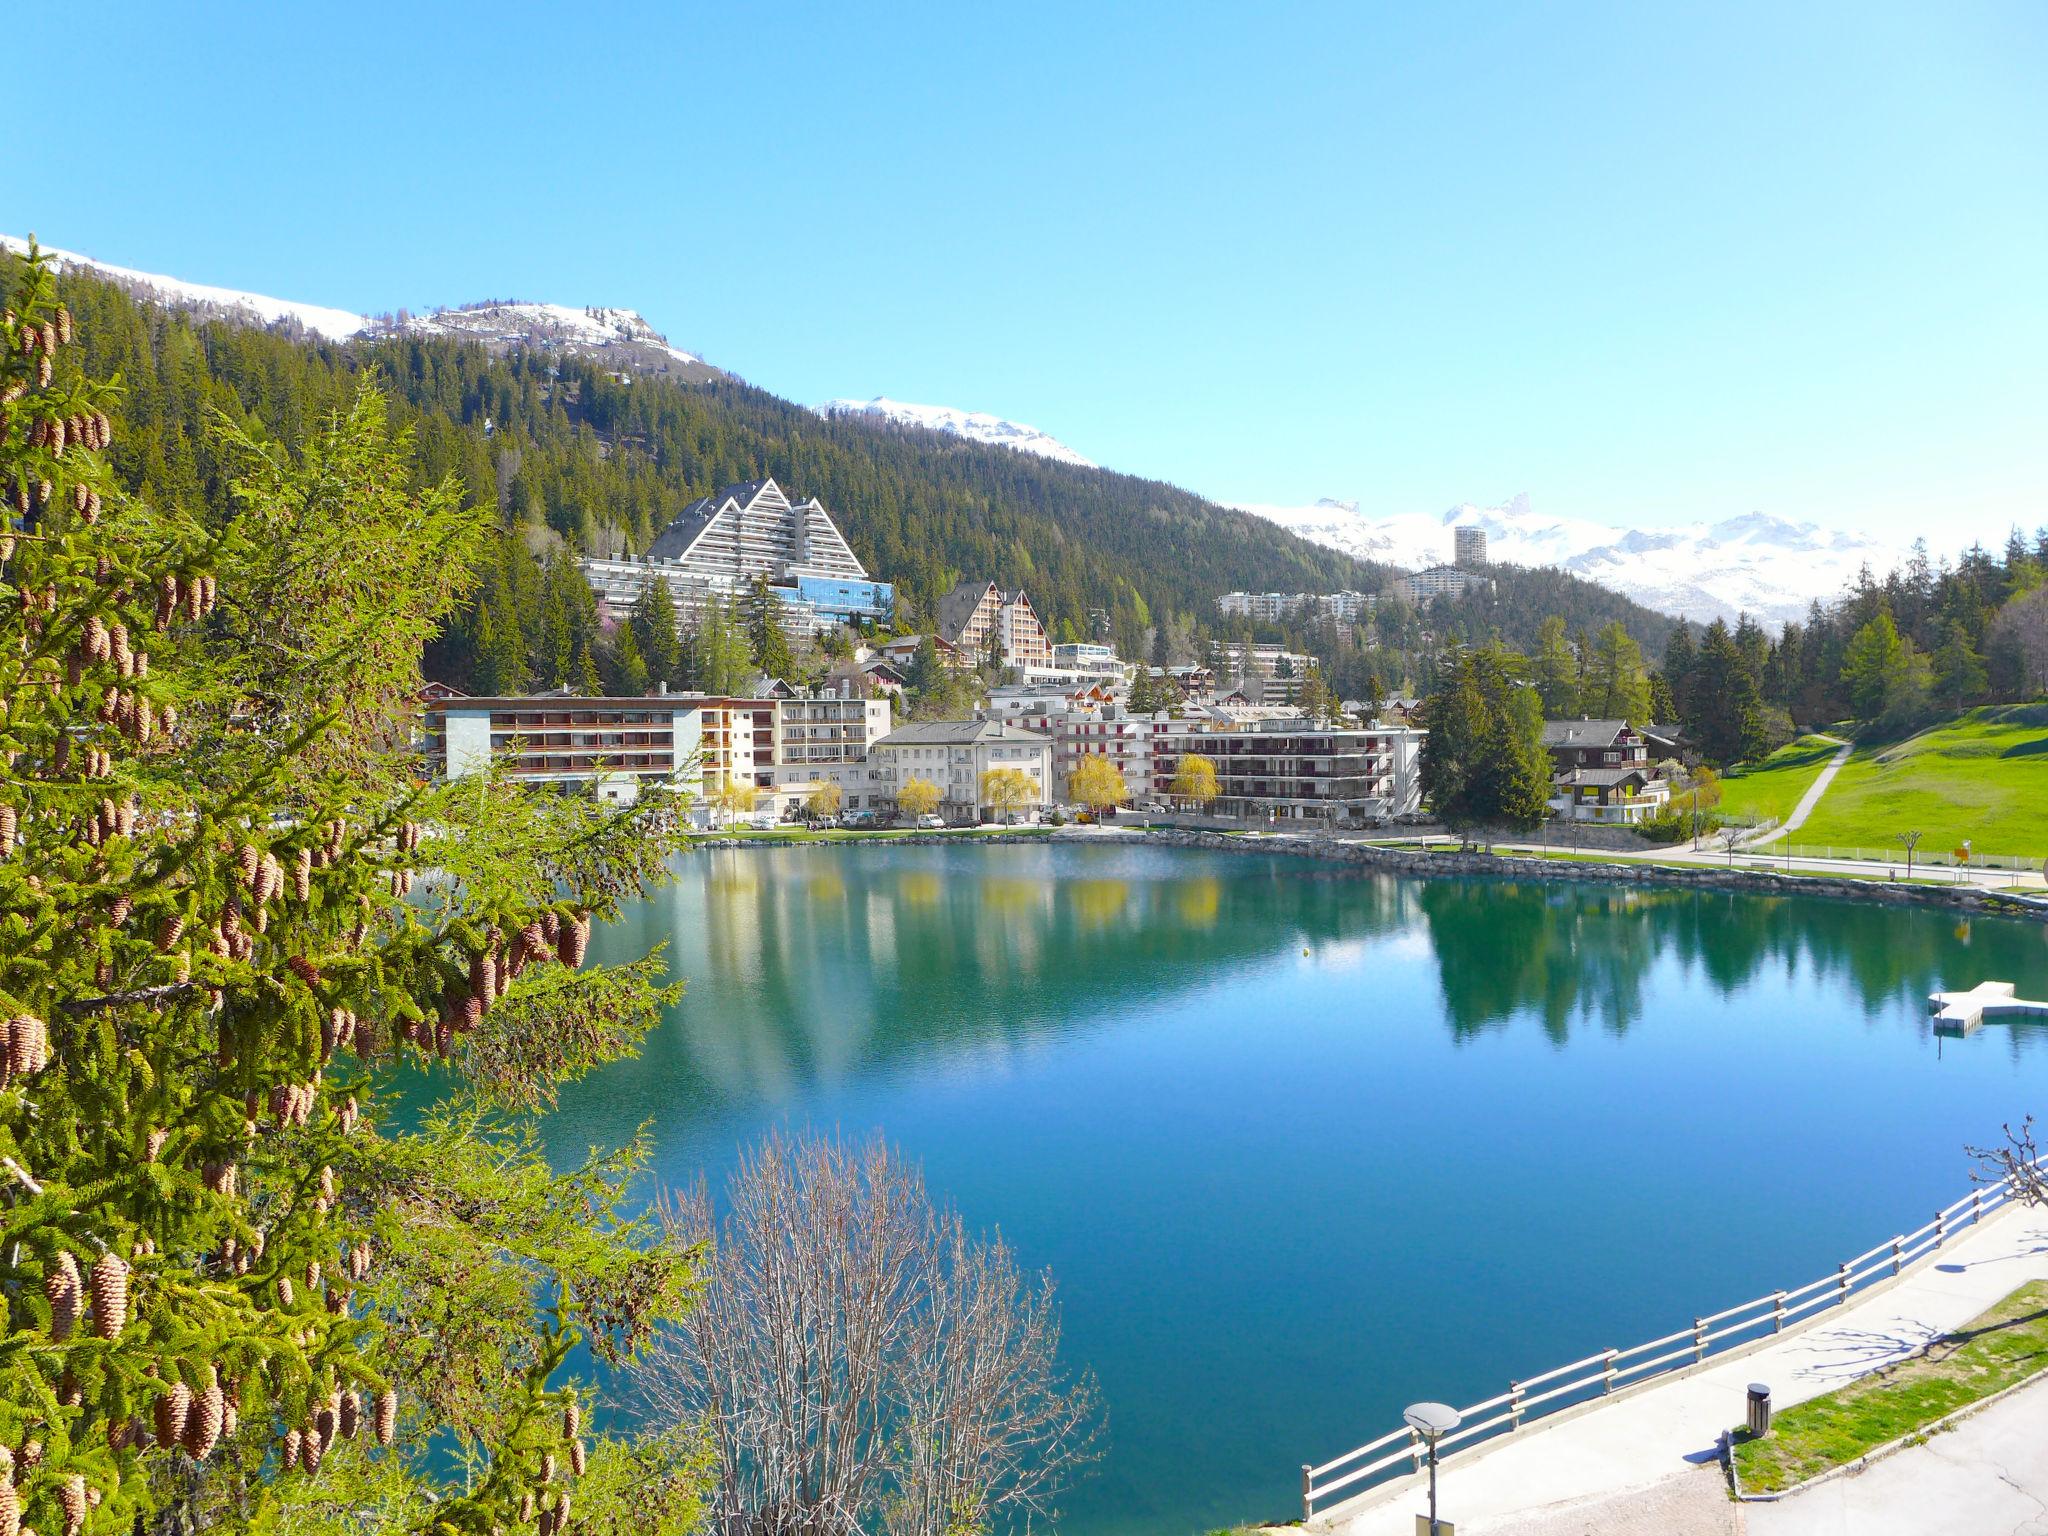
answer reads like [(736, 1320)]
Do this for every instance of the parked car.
[(931, 823), (1152, 808)]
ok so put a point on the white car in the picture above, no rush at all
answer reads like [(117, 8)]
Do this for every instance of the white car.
[(931, 823)]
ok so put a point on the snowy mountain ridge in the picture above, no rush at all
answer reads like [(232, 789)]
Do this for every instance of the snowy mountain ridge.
[(975, 426), (619, 336), (1754, 563)]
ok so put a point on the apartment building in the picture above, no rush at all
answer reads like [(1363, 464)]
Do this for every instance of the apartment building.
[(620, 745), (722, 545), (813, 731), (979, 619), (1468, 548), (1272, 607), (1291, 770), (954, 754), (1266, 674), (1438, 581)]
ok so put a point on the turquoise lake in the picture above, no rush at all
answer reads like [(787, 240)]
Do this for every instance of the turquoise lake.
[(1301, 1147)]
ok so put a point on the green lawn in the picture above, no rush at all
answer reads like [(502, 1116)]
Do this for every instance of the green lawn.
[(1987, 1354), (1773, 786), (1983, 776)]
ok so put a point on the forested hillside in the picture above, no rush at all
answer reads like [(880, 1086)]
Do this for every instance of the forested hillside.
[(579, 459)]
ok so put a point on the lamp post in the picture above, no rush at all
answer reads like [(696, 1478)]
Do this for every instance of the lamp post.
[(1431, 1421)]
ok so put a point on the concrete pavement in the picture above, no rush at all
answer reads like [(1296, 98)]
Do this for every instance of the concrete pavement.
[(1988, 1476), (1621, 1453)]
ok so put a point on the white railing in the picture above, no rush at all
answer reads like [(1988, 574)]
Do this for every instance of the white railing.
[(1403, 1451)]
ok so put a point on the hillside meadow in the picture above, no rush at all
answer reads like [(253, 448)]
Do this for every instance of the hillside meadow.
[(1982, 776)]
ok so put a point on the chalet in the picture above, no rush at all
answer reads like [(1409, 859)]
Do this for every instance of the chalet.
[(1594, 744)]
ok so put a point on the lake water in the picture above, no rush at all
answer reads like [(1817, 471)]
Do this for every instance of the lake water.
[(1302, 1147)]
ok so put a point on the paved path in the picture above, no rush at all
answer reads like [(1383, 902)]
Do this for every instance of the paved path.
[(1808, 800), (1988, 1476), (1639, 1444)]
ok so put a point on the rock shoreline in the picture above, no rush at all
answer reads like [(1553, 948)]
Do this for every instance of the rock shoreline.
[(1409, 861)]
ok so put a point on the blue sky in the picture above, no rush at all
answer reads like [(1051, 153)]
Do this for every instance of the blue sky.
[(1647, 263)]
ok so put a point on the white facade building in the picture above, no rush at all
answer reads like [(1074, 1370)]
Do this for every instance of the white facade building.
[(954, 754), (1291, 770)]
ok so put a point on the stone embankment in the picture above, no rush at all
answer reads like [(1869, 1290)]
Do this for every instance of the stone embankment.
[(1371, 859)]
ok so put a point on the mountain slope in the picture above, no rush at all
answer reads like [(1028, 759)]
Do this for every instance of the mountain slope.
[(572, 453), (975, 426), (1757, 564)]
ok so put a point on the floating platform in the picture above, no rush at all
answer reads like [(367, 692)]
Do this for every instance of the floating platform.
[(1964, 1013)]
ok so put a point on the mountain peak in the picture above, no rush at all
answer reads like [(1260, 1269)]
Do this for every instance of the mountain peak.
[(975, 426)]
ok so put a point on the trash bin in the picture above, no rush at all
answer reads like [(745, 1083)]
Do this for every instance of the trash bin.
[(1759, 1409)]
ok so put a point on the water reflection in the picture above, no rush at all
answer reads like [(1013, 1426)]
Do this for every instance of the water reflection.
[(853, 957)]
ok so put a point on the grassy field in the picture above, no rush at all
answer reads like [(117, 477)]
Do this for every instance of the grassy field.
[(1983, 776), (1773, 786), (1987, 1354)]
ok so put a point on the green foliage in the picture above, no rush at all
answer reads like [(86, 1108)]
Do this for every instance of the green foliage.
[(1483, 761), (1614, 686), (1555, 671), (215, 963)]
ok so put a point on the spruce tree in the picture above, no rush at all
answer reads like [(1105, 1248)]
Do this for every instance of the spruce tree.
[(223, 1268)]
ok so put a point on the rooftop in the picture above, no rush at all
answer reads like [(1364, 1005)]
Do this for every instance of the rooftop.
[(956, 733)]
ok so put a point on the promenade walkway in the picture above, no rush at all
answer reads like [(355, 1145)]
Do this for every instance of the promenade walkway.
[(1660, 1443)]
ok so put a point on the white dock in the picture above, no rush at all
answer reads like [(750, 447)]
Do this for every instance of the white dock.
[(1964, 1013)]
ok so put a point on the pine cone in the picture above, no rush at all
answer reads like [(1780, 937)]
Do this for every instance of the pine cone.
[(71, 1498), (387, 1416), (304, 969), (284, 1291), (204, 1423), (547, 1466), (10, 1505), (109, 1296), (249, 859), (576, 1458), (572, 1419), (172, 1409), (302, 875), (293, 1440), (65, 1293)]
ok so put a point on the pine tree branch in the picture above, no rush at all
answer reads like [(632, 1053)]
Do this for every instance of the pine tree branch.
[(84, 1005)]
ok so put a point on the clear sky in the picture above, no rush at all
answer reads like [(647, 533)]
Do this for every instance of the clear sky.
[(1646, 262)]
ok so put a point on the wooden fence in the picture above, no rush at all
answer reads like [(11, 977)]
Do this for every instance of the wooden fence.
[(1403, 1450)]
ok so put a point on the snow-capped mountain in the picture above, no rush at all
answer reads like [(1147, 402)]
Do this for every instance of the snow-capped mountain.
[(976, 426), (227, 303), (618, 337), (1756, 564)]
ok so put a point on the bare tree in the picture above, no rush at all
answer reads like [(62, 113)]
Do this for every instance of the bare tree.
[(1911, 840), (2017, 1165), (860, 1362)]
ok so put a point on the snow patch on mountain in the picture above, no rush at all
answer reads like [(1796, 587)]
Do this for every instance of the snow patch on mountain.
[(547, 325), (229, 303), (975, 426), (1755, 563)]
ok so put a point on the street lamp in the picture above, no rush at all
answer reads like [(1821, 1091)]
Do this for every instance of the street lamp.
[(1431, 1421)]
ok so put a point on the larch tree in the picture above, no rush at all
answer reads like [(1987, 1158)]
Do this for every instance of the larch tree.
[(231, 915)]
